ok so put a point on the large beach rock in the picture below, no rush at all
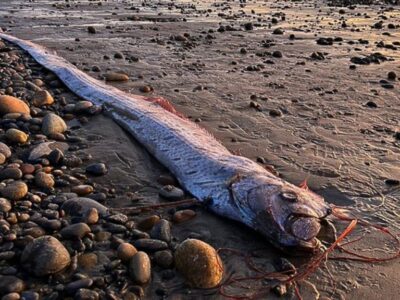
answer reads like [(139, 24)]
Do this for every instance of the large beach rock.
[(9, 104), (199, 263), (44, 149), (44, 256), (53, 124)]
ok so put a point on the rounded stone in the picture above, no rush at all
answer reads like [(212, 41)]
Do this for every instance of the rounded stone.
[(11, 284), (44, 180), (11, 296), (199, 263), (116, 77), (80, 206), (126, 251), (171, 192), (10, 173), (15, 190), (75, 231), (148, 223), (42, 98), (5, 150), (164, 258), (16, 136), (87, 261), (91, 216), (44, 256), (183, 215), (2, 158), (97, 169), (82, 106), (161, 231), (140, 268), (82, 189), (53, 124), (5, 205), (9, 104), (86, 294)]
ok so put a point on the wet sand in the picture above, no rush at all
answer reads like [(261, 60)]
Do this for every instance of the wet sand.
[(318, 119)]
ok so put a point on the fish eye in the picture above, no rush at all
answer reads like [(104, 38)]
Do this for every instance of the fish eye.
[(289, 196)]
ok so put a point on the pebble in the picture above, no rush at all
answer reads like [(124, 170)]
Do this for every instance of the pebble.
[(42, 98), (16, 136), (87, 261), (126, 251), (97, 169), (55, 157), (392, 75), (9, 104), (146, 89), (75, 231), (5, 150), (86, 294), (53, 124), (15, 190), (5, 205), (73, 286), (44, 180), (2, 158), (80, 206), (29, 295), (199, 263), (44, 256), (150, 245), (118, 218), (183, 215), (275, 113), (116, 77), (91, 29), (140, 268), (11, 284), (171, 192), (164, 258), (161, 231), (45, 149), (91, 217), (148, 223), (11, 296), (10, 173), (83, 106), (82, 189)]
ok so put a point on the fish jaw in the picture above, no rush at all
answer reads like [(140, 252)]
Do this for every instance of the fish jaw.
[(287, 215)]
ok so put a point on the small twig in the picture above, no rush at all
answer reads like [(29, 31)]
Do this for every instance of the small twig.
[(138, 209)]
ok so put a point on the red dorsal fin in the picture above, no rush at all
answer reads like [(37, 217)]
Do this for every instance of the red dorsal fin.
[(164, 103)]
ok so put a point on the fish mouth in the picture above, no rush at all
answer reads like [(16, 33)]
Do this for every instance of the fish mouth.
[(304, 228)]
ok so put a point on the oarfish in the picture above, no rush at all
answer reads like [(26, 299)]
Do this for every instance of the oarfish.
[(230, 185)]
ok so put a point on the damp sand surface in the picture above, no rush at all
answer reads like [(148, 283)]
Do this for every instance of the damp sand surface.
[(315, 118)]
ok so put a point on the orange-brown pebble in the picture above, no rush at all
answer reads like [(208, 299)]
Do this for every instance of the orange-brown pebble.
[(126, 251), (148, 223), (199, 263), (183, 215), (9, 104), (82, 189)]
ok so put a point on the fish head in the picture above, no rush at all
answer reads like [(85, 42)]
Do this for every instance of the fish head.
[(288, 215)]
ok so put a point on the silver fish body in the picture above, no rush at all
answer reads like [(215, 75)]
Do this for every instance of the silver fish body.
[(233, 186)]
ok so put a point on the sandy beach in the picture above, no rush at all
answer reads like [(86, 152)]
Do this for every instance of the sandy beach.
[(296, 85)]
